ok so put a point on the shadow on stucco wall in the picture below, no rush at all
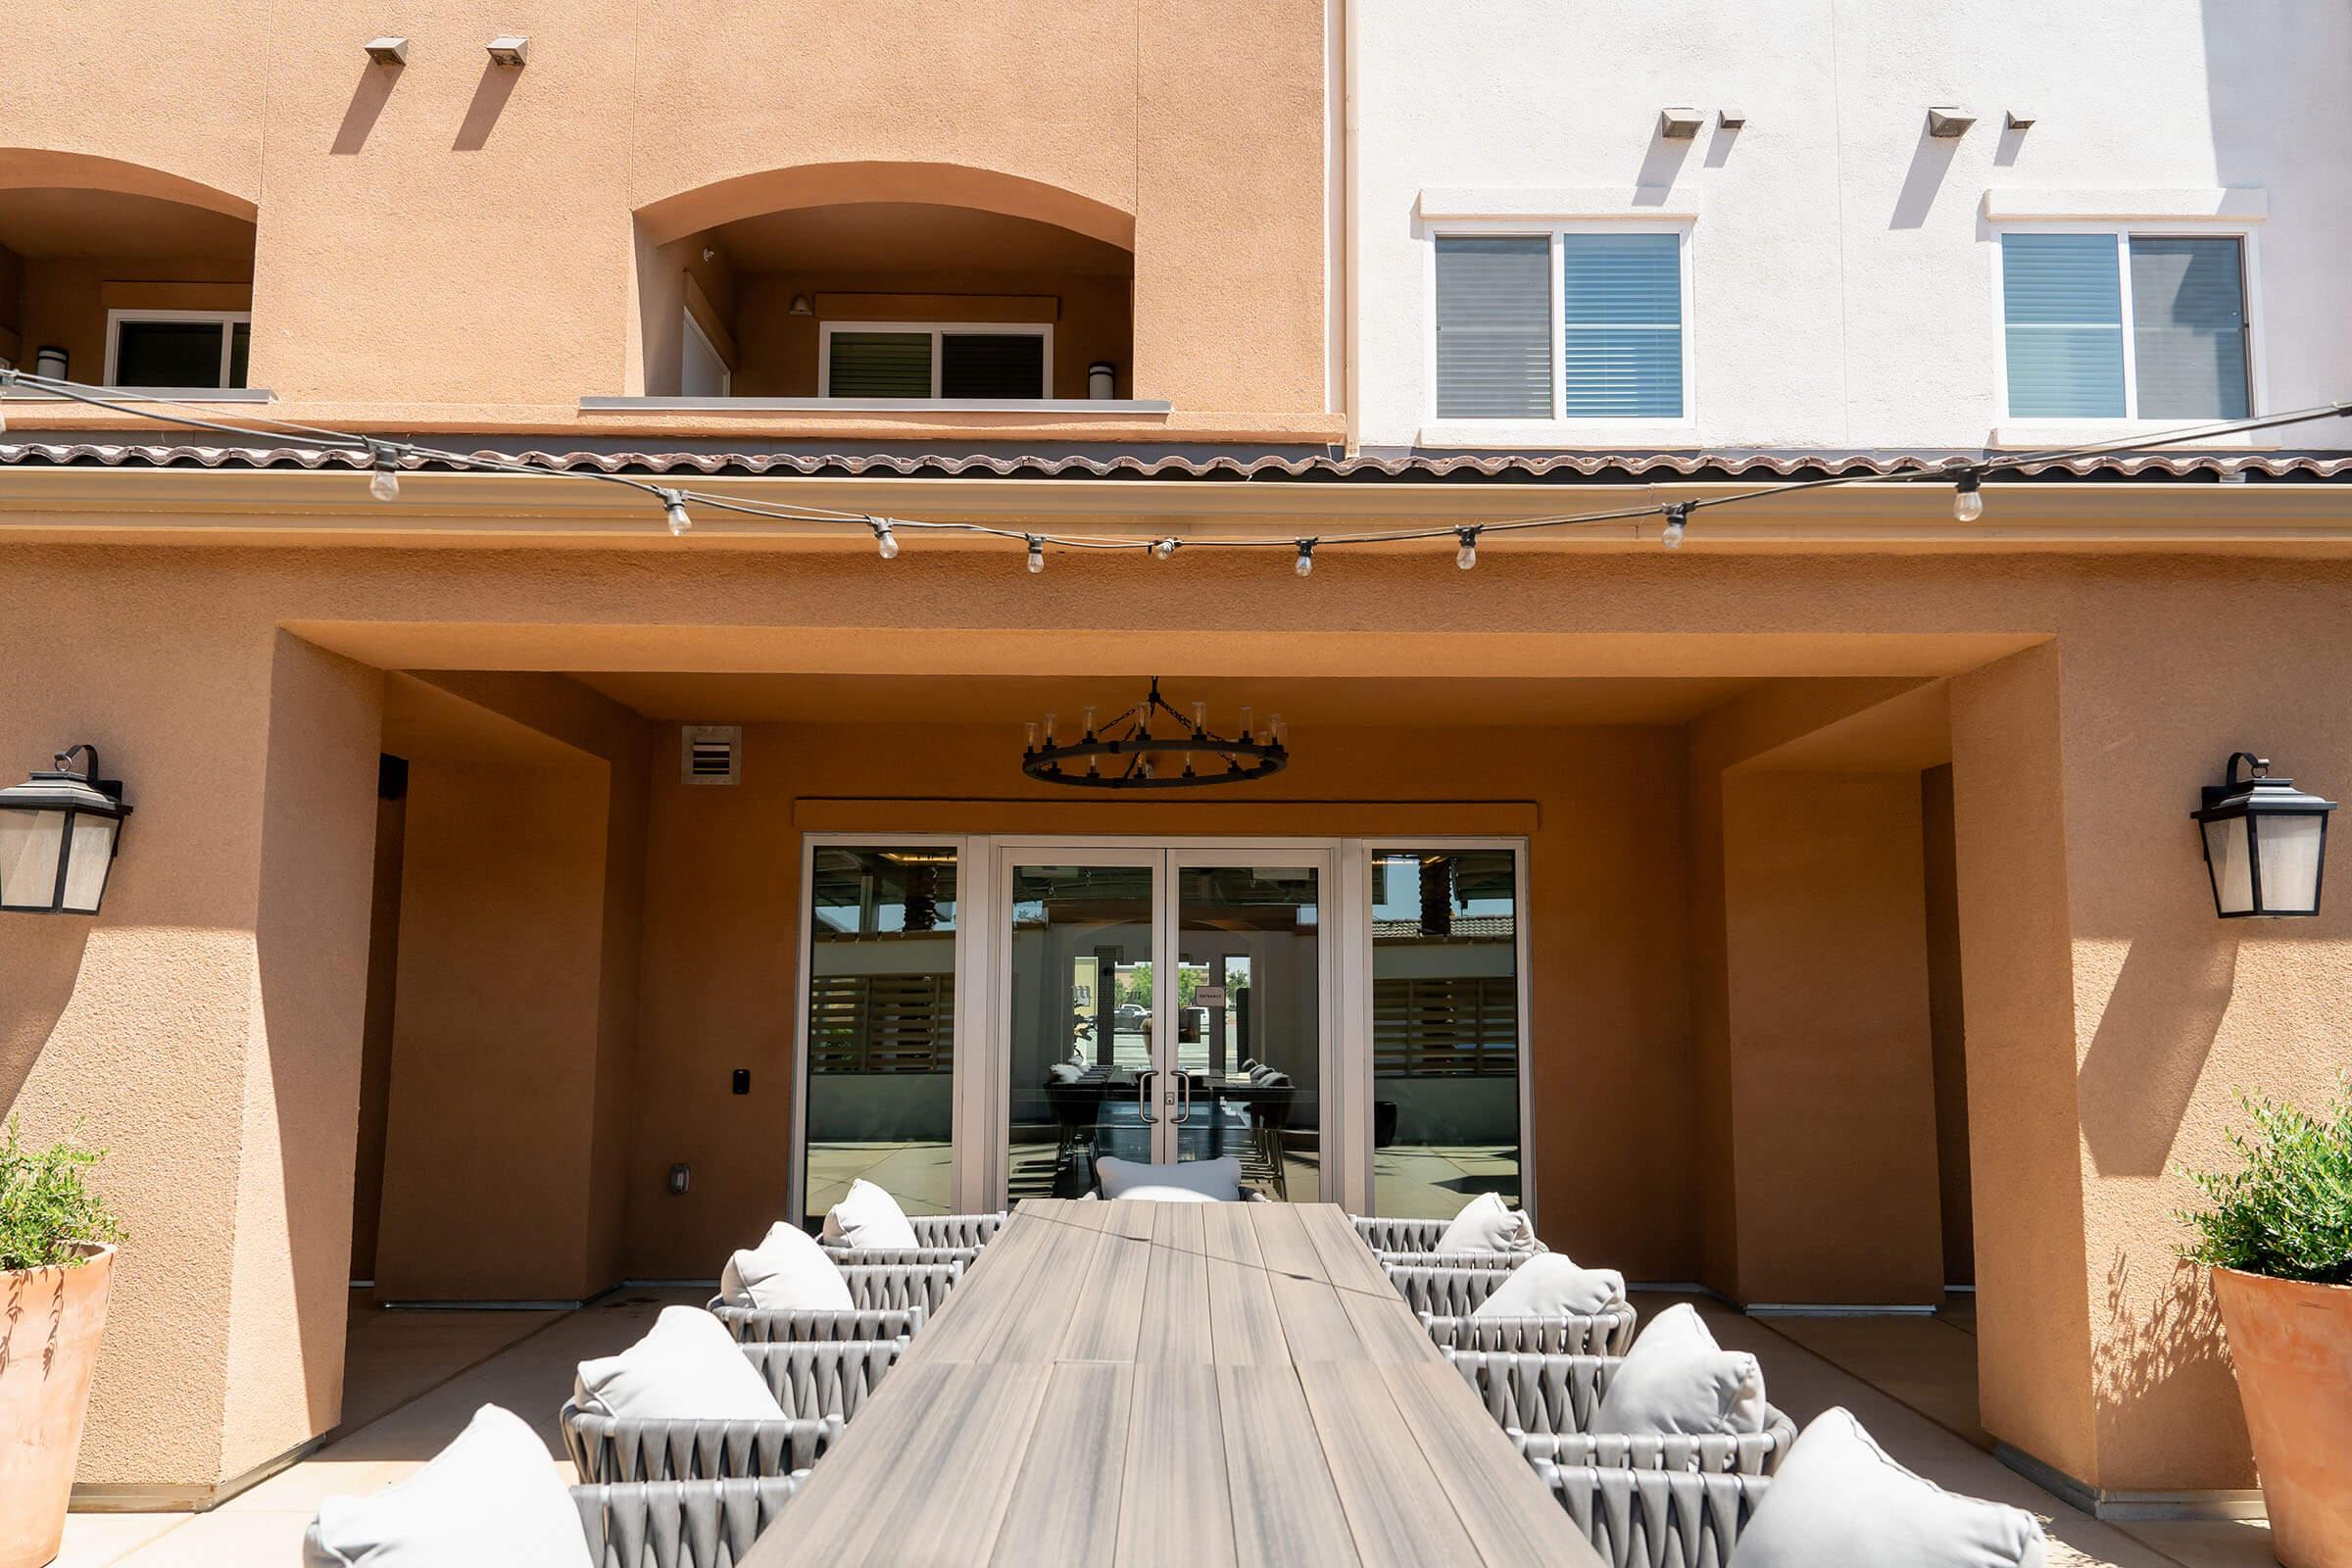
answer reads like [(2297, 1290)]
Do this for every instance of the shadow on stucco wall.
[(2146, 1059), (40, 962), (2159, 1348)]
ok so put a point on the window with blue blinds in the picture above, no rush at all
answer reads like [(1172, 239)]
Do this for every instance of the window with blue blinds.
[(1621, 327), (1494, 328), (2068, 320), (2064, 311)]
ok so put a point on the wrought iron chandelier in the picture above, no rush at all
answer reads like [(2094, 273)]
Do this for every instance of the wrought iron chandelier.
[(1125, 754)]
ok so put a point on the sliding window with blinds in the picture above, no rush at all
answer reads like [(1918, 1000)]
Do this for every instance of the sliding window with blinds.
[(966, 363), (2080, 344), (1559, 326)]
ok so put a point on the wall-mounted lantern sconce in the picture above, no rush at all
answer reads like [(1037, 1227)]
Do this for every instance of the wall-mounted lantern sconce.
[(1680, 125), (2265, 842), (512, 50), (58, 835), (388, 51), (1948, 123)]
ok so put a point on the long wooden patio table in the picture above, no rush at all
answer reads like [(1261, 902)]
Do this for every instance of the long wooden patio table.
[(1191, 1385)]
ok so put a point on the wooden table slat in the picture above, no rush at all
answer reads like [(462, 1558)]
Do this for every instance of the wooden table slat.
[(1510, 1514), (1396, 1507), (1176, 1321), (1065, 1505), (1244, 1330), (1315, 1324), (1175, 1510), (1108, 1320), (1385, 1326), (1286, 1511)]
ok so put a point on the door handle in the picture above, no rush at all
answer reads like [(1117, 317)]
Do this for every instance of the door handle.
[(1184, 1102), (1142, 1096)]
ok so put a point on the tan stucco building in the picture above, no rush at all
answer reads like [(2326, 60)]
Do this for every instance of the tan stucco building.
[(1826, 886)]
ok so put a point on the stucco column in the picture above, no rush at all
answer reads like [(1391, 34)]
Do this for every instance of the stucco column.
[(1831, 1084), (204, 1028), (2112, 1019)]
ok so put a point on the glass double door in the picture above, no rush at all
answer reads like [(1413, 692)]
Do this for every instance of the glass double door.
[(1163, 1005)]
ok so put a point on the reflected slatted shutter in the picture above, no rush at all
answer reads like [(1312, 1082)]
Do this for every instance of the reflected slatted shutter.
[(2064, 321), (1621, 327), (1494, 329), (880, 365), (2188, 328), (992, 364)]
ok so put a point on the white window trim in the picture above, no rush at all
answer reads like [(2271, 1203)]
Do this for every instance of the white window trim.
[(224, 320), (938, 330), (2015, 431), (726, 371), (1612, 431)]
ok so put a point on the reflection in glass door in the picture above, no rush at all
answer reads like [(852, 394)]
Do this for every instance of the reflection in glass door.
[(1081, 1017), (1247, 1052), (1112, 1048)]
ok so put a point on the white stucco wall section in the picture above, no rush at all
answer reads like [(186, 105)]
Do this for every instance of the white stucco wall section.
[(1843, 261)]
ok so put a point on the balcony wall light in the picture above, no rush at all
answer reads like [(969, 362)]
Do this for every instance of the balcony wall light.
[(512, 50), (388, 51)]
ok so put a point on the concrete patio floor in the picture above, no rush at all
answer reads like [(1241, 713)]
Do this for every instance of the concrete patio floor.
[(416, 1378)]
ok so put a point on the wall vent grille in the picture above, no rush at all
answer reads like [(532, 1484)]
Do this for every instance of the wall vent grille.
[(712, 754)]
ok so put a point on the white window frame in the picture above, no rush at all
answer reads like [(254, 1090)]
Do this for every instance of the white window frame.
[(938, 330), (2015, 430), (1613, 430), (726, 371), (226, 320)]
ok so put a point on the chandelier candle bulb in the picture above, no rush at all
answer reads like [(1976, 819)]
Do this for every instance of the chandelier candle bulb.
[(1048, 729), (1200, 717)]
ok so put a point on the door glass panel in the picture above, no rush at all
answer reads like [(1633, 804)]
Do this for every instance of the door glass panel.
[(1444, 1030), (882, 1025), (1248, 1026), (1081, 981)]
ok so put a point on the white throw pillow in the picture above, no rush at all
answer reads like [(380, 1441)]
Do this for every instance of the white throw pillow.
[(786, 1272), (1676, 1380), (869, 1217), (1192, 1181), (1552, 1286), (1839, 1502), (687, 1368), (1486, 1224), (492, 1495)]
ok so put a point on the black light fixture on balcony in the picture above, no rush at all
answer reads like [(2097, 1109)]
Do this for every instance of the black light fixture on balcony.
[(58, 835), (2266, 843)]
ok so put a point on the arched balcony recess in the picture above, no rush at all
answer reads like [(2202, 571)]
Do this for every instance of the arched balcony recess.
[(886, 284), (120, 274)]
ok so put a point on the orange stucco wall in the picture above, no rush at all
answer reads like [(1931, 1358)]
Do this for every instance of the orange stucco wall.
[(452, 242), (2108, 1015)]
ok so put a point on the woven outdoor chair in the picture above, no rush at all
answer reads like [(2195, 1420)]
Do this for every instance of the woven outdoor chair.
[(609, 1447), (679, 1524), (1656, 1518), (1448, 1297), (887, 1301), (1544, 1404), (815, 1381), (939, 1238), (1412, 1243)]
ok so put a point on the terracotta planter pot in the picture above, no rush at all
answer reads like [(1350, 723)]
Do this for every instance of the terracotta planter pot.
[(2292, 1344), (50, 1320)]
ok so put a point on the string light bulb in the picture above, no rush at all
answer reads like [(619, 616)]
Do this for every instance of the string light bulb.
[(1467, 555), (885, 542), (1304, 565), (384, 483), (674, 512), (1036, 555), (1164, 548), (1677, 517), (1968, 496)]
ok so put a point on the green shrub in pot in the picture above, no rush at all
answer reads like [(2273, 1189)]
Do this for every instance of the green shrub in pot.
[(2285, 1211), (48, 1212)]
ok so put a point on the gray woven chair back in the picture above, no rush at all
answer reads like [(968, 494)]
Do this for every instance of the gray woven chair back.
[(1547, 1403), (1445, 1291), (760, 1325), (880, 1285), (818, 1378), (1495, 1262), (607, 1447), (938, 1239), (1449, 1298), (1390, 1235), (1656, 1518), (679, 1524)]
